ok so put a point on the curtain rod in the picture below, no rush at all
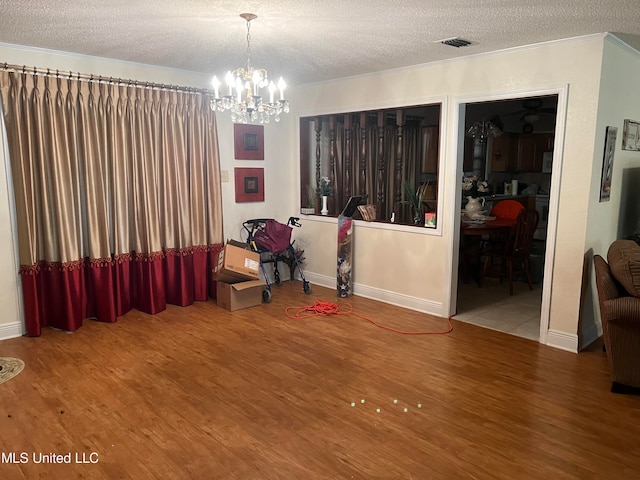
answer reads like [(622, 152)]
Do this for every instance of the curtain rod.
[(98, 78)]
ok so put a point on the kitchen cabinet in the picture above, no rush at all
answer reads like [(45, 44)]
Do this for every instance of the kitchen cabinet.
[(526, 154), (531, 149), (503, 151), (513, 152)]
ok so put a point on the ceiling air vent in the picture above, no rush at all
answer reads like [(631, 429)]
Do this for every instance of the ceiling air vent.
[(455, 42)]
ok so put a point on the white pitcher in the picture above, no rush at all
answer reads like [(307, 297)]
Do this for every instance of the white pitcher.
[(474, 205)]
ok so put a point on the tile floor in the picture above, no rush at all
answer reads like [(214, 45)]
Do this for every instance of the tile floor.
[(491, 306)]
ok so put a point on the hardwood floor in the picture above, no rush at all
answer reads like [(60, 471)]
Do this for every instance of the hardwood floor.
[(202, 393)]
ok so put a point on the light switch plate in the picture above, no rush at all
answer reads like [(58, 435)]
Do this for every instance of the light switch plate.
[(224, 175)]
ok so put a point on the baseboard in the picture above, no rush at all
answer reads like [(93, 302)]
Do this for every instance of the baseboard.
[(10, 330), (590, 335), (386, 296), (563, 341)]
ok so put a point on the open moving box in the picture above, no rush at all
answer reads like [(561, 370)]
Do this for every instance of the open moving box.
[(234, 296)]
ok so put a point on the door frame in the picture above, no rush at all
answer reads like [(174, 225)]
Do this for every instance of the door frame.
[(458, 106)]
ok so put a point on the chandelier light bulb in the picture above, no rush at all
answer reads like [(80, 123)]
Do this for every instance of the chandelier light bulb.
[(257, 78), (216, 86), (239, 89), (272, 91), (230, 82), (244, 99)]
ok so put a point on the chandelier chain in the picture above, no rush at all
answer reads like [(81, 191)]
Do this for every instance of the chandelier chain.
[(248, 45)]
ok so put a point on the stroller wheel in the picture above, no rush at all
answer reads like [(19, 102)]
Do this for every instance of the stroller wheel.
[(306, 286), (276, 276), (266, 296)]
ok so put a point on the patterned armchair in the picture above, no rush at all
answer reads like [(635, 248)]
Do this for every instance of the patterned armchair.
[(618, 285)]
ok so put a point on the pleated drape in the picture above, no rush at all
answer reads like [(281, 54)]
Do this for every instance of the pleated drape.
[(117, 195)]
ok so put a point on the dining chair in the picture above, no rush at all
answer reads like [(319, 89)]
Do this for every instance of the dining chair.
[(504, 260), (505, 211)]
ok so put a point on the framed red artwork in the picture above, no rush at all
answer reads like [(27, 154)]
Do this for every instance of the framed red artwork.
[(249, 184), (248, 141)]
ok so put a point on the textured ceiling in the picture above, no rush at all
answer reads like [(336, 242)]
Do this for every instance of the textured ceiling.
[(305, 40)]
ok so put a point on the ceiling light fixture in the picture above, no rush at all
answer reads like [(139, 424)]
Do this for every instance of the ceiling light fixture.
[(482, 130), (244, 84)]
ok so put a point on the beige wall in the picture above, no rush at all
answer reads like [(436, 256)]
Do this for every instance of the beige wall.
[(416, 269)]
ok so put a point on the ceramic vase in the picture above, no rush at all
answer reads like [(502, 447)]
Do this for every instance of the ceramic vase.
[(325, 210), (474, 205)]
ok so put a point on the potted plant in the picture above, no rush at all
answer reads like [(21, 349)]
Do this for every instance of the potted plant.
[(311, 199), (416, 198)]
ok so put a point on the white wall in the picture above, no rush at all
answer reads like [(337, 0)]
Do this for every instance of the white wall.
[(415, 269), (619, 99), (11, 322), (278, 178)]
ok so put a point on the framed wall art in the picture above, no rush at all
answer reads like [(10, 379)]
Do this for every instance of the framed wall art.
[(631, 135), (249, 184), (248, 141), (607, 163)]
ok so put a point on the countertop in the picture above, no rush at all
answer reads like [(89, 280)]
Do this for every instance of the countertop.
[(501, 196)]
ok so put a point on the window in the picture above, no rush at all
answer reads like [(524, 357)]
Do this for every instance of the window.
[(385, 156)]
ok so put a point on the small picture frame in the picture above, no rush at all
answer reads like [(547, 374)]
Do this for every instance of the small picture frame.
[(248, 142), (368, 212), (430, 220), (249, 183), (607, 163), (631, 135)]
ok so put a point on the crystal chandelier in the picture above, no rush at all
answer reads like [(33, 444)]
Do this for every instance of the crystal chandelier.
[(482, 130), (244, 84)]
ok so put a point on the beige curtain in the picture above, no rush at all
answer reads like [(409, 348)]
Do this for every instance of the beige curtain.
[(117, 187)]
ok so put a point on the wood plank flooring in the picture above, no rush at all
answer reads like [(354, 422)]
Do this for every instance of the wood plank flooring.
[(202, 393)]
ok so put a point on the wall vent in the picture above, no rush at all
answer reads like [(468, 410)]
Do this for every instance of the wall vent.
[(455, 42)]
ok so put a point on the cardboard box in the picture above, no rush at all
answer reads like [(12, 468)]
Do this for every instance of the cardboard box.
[(234, 296), (236, 264)]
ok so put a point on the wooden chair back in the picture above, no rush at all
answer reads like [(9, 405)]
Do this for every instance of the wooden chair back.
[(521, 234), (513, 254)]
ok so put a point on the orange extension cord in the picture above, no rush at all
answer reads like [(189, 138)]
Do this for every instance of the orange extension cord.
[(324, 308)]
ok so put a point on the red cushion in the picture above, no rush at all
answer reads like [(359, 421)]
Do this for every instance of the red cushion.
[(507, 209)]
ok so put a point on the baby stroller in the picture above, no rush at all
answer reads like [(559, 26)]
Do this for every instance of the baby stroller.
[(272, 240)]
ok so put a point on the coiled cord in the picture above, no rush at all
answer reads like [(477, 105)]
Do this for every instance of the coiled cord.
[(324, 308)]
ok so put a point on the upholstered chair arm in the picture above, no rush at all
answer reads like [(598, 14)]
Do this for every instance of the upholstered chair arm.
[(623, 311)]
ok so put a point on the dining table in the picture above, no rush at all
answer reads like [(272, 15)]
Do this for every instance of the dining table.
[(472, 232)]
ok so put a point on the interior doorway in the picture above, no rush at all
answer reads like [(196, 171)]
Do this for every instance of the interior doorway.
[(518, 161)]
